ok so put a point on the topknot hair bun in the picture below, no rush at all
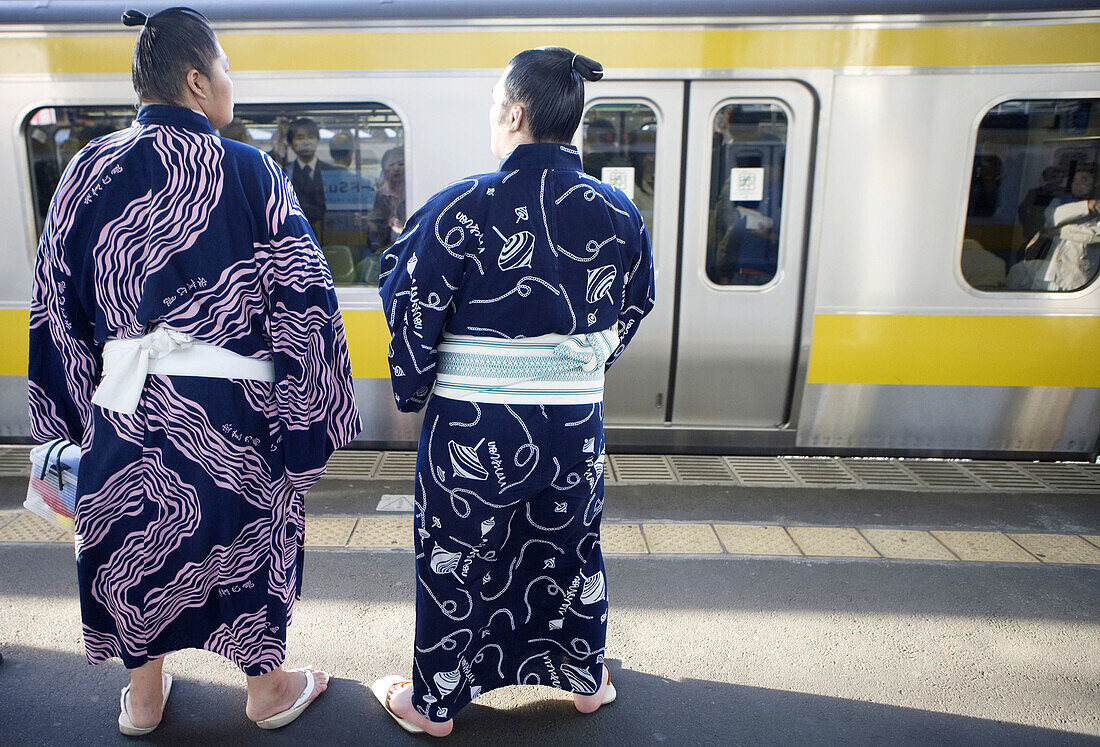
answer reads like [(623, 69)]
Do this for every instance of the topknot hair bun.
[(588, 68), (134, 18)]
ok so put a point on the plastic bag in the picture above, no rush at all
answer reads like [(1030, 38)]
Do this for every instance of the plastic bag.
[(52, 490)]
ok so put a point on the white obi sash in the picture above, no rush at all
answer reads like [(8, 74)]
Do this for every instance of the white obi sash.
[(166, 351), (545, 370)]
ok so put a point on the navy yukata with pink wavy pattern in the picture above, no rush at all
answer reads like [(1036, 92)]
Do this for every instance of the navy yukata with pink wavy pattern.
[(189, 512)]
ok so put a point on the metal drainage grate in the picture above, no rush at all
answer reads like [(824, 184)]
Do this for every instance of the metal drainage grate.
[(1066, 478), (642, 468), (881, 473), (769, 471), (942, 475), (701, 469), (397, 465), (15, 461), (1003, 476), (1092, 470), (821, 472), (353, 463)]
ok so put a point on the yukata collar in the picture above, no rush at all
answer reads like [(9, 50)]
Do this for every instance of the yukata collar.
[(560, 156), (174, 116)]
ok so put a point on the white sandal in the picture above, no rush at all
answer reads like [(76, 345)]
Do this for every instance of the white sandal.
[(300, 705), (126, 726), (384, 689)]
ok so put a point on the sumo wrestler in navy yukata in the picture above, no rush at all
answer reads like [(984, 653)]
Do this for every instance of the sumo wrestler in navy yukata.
[(508, 296)]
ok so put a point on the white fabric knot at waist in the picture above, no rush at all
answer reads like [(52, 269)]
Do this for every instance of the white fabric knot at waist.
[(126, 363)]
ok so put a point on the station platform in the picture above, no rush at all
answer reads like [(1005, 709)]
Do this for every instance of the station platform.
[(753, 601)]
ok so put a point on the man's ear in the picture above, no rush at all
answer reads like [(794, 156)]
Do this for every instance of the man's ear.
[(517, 118), (196, 84)]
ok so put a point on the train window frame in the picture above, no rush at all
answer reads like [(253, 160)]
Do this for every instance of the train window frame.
[(966, 178), (780, 255), (659, 116), (357, 295)]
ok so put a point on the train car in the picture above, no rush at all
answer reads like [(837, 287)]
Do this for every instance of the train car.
[(851, 203)]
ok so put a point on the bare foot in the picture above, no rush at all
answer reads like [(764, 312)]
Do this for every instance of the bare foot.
[(145, 698), (590, 703), (278, 690), (146, 709), (401, 703)]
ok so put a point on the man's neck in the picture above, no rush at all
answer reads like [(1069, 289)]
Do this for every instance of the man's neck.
[(307, 164)]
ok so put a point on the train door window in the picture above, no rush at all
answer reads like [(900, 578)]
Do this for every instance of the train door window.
[(1032, 221), (353, 193), (746, 193), (619, 146)]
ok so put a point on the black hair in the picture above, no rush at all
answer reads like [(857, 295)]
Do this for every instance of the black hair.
[(392, 153), (170, 43), (302, 123), (340, 145), (549, 83)]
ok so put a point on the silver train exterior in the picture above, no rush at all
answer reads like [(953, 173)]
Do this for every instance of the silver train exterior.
[(862, 334)]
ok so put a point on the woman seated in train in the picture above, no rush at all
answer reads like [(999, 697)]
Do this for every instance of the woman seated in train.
[(1075, 256), (508, 295), (178, 264)]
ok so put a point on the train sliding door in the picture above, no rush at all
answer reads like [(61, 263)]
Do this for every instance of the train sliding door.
[(746, 191), (631, 136)]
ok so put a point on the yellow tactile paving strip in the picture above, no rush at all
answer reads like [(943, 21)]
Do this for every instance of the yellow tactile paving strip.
[(714, 539), (909, 544), (622, 538), (1059, 548), (744, 539), (371, 532), (681, 538), (831, 542), (325, 532), (993, 547)]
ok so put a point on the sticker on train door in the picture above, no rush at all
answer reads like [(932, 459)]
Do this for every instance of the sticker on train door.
[(747, 185), (619, 176)]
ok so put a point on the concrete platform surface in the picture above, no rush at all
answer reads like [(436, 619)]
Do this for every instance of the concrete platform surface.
[(723, 651)]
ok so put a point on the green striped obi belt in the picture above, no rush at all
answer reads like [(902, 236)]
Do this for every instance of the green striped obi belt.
[(544, 370)]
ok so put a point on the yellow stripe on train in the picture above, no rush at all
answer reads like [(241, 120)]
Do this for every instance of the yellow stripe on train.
[(947, 350), (938, 350), (685, 48), (366, 331)]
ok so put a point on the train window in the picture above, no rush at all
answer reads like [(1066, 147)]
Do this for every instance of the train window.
[(619, 146), (1032, 222), (346, 162), (54, 135), (746, 193)]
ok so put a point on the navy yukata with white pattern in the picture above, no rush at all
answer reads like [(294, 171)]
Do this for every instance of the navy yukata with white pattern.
[(508, 497)]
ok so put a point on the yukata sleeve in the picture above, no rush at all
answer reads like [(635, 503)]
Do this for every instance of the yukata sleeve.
[(64, 359), (637, 286), (313, 380), (420, 275)]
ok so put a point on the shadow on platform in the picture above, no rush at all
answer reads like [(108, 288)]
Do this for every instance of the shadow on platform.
[(55, 698)]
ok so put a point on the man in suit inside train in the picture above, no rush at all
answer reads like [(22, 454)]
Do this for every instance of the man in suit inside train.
[(305, 171)]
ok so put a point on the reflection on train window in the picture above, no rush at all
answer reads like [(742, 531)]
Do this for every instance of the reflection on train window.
[(1032, 222), (53, 137), (619, 146), (746, 193), (346, 163)]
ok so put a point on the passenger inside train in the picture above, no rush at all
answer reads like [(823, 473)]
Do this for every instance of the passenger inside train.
[(748, 154), (344, 147), (1031, 220)]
